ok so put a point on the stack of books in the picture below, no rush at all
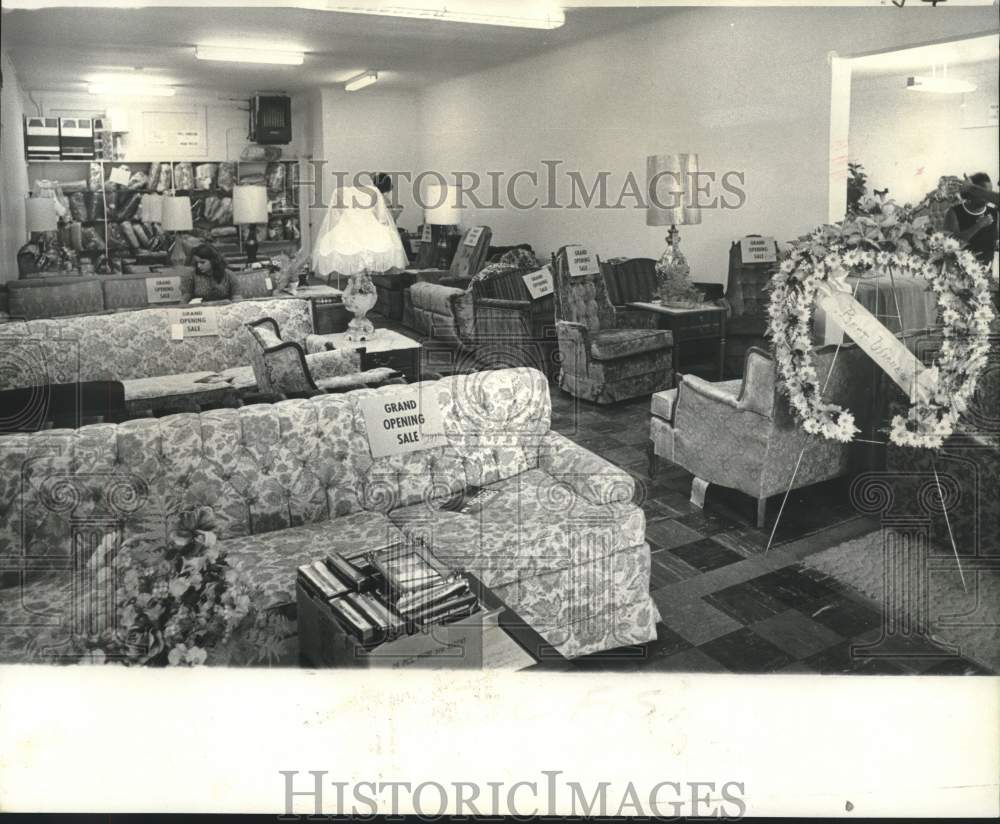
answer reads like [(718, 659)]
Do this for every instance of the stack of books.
[(394, 592)]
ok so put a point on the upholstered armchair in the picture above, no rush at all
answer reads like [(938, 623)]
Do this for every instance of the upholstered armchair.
[(607, 355), (511, 328), (743, 435), (747, 299), (283, 369)]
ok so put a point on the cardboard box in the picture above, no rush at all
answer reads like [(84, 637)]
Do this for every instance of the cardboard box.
[(324, 642)]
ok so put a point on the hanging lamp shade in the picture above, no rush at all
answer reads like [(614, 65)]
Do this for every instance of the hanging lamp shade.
[(671, 180), (41, 214), (177, 213)]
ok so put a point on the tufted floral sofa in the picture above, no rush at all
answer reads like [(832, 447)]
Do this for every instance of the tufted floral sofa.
[(136, 348), (561, 542)]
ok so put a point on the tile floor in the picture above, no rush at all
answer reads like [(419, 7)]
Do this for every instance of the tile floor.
[(727, 605)]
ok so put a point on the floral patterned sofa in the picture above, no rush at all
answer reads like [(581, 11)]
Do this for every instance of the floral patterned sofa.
[(136, 347), (562, 543)]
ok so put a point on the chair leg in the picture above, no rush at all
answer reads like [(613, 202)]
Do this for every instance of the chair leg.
[(652, 459), (761, 512)]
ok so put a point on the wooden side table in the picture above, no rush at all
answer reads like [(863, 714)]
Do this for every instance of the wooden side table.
[(705, 322), (387, 348)]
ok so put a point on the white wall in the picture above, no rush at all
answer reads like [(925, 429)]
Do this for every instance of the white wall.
[(746, 89), (906, 140), (14, 174)]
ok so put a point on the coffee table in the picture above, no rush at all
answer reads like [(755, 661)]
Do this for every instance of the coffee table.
[(387, 348)]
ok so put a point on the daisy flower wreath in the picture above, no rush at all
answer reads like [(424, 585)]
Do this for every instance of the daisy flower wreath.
[(883, 240)]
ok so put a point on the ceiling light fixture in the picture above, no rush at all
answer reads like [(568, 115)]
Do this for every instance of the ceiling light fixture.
[(359, 82), (122, 89), (235, 54), (522, 15), (939, 85)]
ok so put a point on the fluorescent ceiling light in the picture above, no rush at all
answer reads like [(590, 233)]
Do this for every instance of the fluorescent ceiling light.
[(939, 85), (522, 15), (121, 89), (359, 82), (245, 55)]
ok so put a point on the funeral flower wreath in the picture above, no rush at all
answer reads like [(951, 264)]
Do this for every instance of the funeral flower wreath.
[(883, 237)]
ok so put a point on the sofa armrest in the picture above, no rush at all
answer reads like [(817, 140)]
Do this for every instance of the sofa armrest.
[(590, 476), (503, 303), (575, 335), (706, 389), (759, 379)]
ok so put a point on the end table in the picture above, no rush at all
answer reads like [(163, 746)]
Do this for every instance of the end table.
[(705, 322)]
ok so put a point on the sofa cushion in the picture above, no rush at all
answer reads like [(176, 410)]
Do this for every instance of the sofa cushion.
[(131, 292), (54, 297), (433, 297), (534, 524), (270, 560), (610, 344)]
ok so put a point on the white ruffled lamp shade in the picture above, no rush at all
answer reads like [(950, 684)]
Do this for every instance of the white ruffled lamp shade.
[(249, 205), (177, 214), (41, 214), (440, 207)]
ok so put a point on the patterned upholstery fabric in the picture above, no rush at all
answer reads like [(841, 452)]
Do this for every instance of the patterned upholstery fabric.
[(742, 434), (604, 357), (441, 312), (129, 291), (630, 280), (611, 344), (53, 297), (282, 368), (562, 538), (136, 344), (661, 405)]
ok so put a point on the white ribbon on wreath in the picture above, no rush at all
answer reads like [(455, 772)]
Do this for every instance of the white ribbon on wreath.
[(822, 262)]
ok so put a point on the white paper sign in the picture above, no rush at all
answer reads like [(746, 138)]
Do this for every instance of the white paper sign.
[(473, 235), (426, 234), (401, 422), (883, 347), (196, 322), (758, 250), (539, 283), (119, 175), (163, 290), (176, 331), (581, 262)]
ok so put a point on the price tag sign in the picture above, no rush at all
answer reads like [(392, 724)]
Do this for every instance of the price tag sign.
[(758, 250), (198, 322), (473, 235), (163, 290), (404, 421), (539, 283), (426, 234), (268, 284), (176, 331), (581, 262), (119, 175)]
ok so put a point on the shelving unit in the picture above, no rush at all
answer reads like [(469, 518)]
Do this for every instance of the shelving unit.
[(283, 231)]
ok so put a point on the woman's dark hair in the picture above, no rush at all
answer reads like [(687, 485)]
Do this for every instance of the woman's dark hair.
[(980, 179), (382, 181), (208, 252)]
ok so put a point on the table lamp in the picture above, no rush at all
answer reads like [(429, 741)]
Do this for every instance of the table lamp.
[(250, 209), (671, 184), (176, 214), (151, 208), (40, 216), (442, 213)]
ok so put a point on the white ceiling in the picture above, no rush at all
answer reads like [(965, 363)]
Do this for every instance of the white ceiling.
[(58, 49), (967, 55)]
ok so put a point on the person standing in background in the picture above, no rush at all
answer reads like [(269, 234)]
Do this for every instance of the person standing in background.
[(974, 220)]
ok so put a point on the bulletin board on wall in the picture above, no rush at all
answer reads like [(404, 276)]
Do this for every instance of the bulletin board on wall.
[(179, 134)]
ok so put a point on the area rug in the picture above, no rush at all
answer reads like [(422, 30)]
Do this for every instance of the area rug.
[(964, 616)]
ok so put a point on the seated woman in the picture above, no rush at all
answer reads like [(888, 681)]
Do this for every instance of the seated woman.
[(212, 280)]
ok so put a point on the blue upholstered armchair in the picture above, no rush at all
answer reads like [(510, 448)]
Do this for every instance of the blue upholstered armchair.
[(607, 354)]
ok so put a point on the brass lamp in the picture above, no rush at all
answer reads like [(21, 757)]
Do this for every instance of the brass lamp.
[(671, 182)]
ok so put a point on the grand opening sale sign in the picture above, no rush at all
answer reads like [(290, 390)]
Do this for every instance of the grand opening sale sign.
[(405, 421)]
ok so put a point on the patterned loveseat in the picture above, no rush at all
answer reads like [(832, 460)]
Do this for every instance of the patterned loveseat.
[(136, 347), (562, 543)]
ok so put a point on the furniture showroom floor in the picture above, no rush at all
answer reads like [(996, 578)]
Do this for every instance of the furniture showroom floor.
[(726, 604)]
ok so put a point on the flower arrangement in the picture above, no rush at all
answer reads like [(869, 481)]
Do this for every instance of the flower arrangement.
[(176, 604), (879, 236)]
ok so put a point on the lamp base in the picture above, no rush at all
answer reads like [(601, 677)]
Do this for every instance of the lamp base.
[(360, 329)]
